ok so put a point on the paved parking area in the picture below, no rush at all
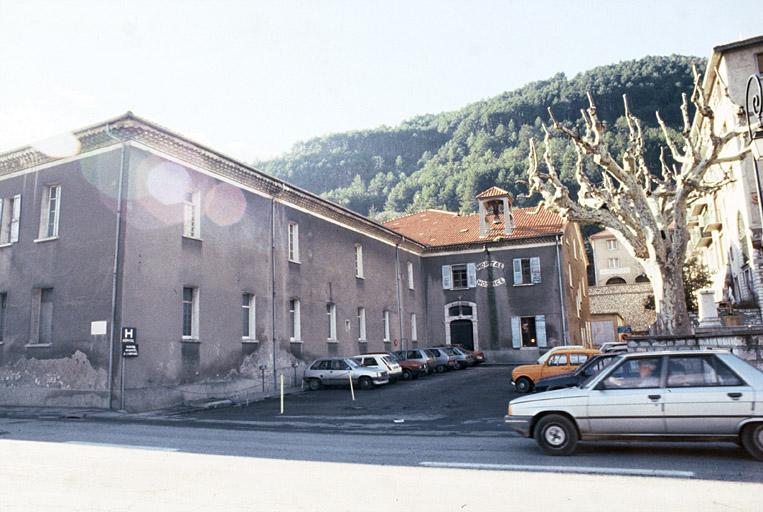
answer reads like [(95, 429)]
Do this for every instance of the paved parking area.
[(463, 401)]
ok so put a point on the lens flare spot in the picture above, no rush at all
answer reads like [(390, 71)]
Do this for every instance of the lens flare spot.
[(225, 204), (168, 183), (60, 146)]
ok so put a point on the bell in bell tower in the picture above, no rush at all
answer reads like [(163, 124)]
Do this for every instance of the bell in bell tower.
[(495, 212)]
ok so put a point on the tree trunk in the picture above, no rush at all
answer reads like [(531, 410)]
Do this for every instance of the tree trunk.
[(670, 300)]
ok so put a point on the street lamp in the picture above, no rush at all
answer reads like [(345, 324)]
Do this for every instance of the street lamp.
[(754, 112)]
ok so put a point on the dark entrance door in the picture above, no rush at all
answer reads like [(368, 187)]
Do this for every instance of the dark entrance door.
[(461, 333)]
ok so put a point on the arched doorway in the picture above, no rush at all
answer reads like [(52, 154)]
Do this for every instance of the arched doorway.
[(461, 324)]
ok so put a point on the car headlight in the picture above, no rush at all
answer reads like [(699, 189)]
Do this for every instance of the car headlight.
[(509, 409)]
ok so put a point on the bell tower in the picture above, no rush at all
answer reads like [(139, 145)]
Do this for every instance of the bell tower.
[(495, 212)]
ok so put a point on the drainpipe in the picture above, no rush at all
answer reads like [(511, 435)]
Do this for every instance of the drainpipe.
[(397, 286), (273, 283), (565, 336), (115, 268)]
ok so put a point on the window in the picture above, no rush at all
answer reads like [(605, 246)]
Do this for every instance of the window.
[(410, 275), (10, 212), (331, 316), (362, 324), (386, 326), (613, 262), (414, 333), (295, 331), (248, 315), (526, 271), (3, 307), (359, 261), (642, 279), (528, 331), (51, 207), (42, 316), (612, 244), (578, 359), (190, 313), (615, 280), (700, 371), (759, 58), (192, 214), (635, 373), (320, 365), (294, 242), (569, 273), (461, 276), (557, 360), (339, 364)]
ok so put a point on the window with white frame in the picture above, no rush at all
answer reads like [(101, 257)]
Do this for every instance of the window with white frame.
[(462, 276), (248, 316), (294, 242), (358, 261), (362, 324), (295, 328), (613, 262), (42, 316), (50, 211), (414, 331), (10, 212), (331, 316), (527, 271), (410, 276), (190, 313), (386, 326), (192, 214), (612, 244)]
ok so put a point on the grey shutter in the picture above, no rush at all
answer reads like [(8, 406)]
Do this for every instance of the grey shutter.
[(447, 278), (540, 330), (471, 275), (15, 218), (535, 269), (517, 271), (516, 332)]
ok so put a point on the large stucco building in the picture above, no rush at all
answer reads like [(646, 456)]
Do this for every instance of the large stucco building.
[(230, 278)]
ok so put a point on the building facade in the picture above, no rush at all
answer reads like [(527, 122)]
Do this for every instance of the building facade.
[(230, 279)]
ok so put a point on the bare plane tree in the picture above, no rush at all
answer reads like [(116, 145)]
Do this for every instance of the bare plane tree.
[(647, 211)]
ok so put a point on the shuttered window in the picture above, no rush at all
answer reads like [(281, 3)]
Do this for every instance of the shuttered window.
[(458, 277), (528, 331), (527, 271), (10, 213)]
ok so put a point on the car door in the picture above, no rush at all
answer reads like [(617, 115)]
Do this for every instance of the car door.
[(556, 364), (629, 399), (340, 372), (704, 396)]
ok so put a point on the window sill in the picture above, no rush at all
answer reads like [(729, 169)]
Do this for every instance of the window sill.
[(7, 244), (38, 345), (360, 277), (196, 238), (252, 341), (295, 261), (525, 284), (362, 341), (332, 341), (295, 341), (190, 340), (48, 239)]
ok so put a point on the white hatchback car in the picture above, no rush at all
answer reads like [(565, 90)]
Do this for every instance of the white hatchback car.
[(677, 395)]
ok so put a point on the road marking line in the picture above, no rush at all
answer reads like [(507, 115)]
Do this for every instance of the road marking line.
[(133, 446), (563, 469)]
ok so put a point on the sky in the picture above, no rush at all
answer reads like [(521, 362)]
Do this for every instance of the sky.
[(251, 78)]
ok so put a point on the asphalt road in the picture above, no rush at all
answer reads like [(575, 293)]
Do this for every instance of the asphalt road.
[(451, 420)]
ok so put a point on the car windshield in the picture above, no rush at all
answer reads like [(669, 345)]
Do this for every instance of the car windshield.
[(389, 360), (353, 363), (604, 363)]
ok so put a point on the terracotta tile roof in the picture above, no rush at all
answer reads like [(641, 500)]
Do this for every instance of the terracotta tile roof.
[(437, 228), (493, 192)]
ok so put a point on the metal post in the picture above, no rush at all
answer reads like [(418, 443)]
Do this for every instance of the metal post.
[(122, 384), (281, 393), (756, 111)]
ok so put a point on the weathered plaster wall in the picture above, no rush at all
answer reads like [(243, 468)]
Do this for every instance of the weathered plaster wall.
[(625, 299)]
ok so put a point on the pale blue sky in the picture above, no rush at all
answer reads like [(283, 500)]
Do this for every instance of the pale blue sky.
[(250, 78)]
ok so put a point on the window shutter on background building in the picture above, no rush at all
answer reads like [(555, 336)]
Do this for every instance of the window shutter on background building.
[(516, 331), (471, 275), (535, 269), (540, 330), (447, 278), (517, 271), (15, 218)]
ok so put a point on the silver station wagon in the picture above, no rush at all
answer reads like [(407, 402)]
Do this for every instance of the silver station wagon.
[(337, 371), (677, 395)]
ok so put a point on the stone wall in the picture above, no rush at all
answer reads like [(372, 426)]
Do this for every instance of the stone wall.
[(626, 300)]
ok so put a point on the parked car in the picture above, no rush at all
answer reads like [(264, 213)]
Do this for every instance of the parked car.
[(443, 361), (675, 395), (412, 368), (336, 371), (478, 355), (563, 360), (544, 357), (614, 346), (463, 360), (384, 361), (567, 380), (419, 355)]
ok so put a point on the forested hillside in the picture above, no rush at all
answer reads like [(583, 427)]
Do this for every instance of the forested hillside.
[(444, 160)]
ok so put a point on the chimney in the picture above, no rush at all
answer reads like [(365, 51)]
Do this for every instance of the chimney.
[(495, 212)]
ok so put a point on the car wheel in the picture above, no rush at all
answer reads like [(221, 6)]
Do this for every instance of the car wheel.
[(365, 383), (407, 375), (523, 385), (441, 368), (752, 440), (556, 435), (314, 384)]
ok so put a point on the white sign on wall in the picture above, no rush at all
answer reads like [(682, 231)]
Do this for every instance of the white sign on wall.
[(98, 328)]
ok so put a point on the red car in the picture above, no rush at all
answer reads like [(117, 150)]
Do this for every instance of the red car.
[(478, 355), (411, 368), (422, 361)]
